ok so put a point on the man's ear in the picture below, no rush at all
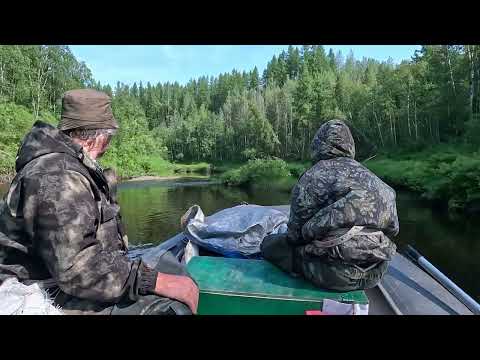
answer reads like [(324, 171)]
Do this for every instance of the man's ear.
[(91, 143), (105, 140), (100, 141)]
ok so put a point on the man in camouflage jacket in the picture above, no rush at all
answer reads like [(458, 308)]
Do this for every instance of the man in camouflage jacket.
[(341, 218), (60, 223)]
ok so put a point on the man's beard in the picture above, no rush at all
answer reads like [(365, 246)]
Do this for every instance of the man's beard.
[(100, 154)]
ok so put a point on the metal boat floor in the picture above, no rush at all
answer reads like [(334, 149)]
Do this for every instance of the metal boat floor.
[(415, 292)]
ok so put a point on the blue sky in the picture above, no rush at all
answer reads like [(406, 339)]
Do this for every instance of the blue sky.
[(162, 63)]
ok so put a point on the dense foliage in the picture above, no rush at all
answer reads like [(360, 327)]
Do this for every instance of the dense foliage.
[(440, 174), (432, 98)]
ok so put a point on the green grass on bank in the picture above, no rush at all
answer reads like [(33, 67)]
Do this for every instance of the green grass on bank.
[(155, 166), (446, 173), (295, 168), (221, 168), (263, 173), (202, 168)]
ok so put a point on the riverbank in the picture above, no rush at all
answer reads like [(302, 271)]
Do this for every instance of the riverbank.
[(153, 166), (155, 178), (172, 172), (265, 174), (163, 170), (446, 175)]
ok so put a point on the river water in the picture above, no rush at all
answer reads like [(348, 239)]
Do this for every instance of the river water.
[(152, 209)]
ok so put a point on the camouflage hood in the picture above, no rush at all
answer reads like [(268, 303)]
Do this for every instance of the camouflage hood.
[(333, 140), (44, 139)]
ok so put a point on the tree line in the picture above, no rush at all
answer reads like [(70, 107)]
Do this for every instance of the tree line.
[(431, 98)]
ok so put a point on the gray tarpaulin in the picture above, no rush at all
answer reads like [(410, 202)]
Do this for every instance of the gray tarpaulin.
[(236, 231), (233, 232)]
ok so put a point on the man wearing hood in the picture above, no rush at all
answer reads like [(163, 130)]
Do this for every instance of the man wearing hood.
[(60, 223), (341, 218)]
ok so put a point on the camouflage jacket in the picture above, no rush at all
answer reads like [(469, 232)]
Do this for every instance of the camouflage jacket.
[(336, 194), (61, 223)]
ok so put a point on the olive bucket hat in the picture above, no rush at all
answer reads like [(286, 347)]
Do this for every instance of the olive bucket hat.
[(86, 109)]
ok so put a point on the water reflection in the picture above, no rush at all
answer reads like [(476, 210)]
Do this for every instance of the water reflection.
[(451, 243), (152, 211)]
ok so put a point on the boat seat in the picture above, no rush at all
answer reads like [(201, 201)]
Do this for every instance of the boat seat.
[(256, 287)]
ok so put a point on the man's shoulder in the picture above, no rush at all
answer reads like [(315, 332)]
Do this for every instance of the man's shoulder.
[(54, 170), (53, 163), (335, 165), (328, 172), (322, 169)]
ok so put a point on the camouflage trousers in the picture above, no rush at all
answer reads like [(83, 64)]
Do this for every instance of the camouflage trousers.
[(145, 305), (323, 273)]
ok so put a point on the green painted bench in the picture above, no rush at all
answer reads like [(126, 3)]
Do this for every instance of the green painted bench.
[(256, 287)]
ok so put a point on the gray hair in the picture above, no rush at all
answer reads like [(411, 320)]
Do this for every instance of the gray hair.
[(86, 134)]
